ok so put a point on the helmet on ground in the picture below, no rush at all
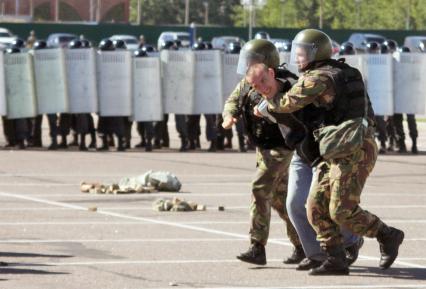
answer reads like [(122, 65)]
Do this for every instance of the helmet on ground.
[(310, 45), (258, 51)]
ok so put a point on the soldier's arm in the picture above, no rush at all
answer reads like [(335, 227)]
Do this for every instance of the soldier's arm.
[(308, 89)]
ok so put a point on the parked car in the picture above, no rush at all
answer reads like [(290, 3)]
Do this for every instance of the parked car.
[(415, 43), (6, 38), (281, 44), (182, 37), (131, 41), (222, 42), (60, 40), (360, 40)]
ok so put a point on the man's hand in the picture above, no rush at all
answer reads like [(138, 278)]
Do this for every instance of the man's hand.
[(256, 111), (228, 122)]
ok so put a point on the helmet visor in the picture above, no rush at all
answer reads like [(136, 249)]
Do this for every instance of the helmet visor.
[(246, 59), (302, 53)]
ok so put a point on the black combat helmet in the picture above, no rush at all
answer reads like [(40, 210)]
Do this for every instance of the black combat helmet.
[(12, 50), (75, 44), (261, 35), (178, 43), (119, 44), (148, 48), (140, 53), (234, 47), (207, 45), (198, 46), (373, 47), (384, 49), (40, 44), (391, 44), (404, 49), (347, 48), (168, 45), (18, 43), (106, 45), (85, 43), (286, 47)]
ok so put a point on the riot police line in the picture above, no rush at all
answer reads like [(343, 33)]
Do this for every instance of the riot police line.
[(118, 84)]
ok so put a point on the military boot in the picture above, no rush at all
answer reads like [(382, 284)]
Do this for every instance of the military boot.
[(192, 146), (353, 251), (297, 256), (335, 264), (63, 144), (104, 146), (183, 145), (307, 264), (414, 147), (92, 144), (213, 146), (242, 144), (228, 142), (198, 143), (389, 239), (54, 145), (2, 264), (402, 147), (148, 146), (254, 255), (121, 144), (220, 143), (82, 146), (382, 149)]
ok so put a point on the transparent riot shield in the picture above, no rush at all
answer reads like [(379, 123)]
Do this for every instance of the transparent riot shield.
[(51, 81), (3, 110), (147, 92), (208, 82), (81, 78), (230, 76), (114, 69), (19, 83), (178, 81)]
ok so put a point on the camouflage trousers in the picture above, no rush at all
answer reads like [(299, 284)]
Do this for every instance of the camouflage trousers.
[(334, 197), (269, 189)]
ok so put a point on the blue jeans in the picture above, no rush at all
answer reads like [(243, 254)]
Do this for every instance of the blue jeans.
[(299, 183)]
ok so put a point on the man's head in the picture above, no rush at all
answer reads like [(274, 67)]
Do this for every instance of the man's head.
[(258, 51), (262, 79), (308, 46)]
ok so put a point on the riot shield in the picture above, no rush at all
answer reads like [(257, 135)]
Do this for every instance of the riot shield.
[(230, 76), (208, 82), (409, 83), (114, 75), (51, 81), (3, 104), (378, 77), (178, 81), (81, 77), (19, 83), (147, 94), (354, 61)]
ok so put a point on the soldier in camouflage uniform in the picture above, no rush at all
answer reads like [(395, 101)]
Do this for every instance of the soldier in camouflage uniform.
[(338, 182), (269, 187)]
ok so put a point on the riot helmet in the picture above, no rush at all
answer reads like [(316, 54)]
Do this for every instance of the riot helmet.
[(198, 46), (75, 44), (258, 51), (392, 45), (262, 35), (234, 47), (12, 50), (170, 45), (404, 49), (85, 43), (106, 45), (373, 47), (310, 45), (148, 48), (40, 44), (119, 44), (347, 48), (178, 43), (140, 53), (18, 43), (384, 49), (208, 45)]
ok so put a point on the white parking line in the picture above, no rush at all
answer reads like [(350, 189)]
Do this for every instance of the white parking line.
[(175, 224), (386, 286)]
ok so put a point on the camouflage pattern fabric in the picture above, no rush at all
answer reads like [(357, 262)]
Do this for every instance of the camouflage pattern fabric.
[(269, 189), (335, 196)]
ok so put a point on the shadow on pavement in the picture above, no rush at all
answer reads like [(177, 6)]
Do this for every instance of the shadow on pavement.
[(14, 254), (396, 273)]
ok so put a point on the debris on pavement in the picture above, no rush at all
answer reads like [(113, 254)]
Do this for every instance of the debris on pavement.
[(149, 182), (177, 205)]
